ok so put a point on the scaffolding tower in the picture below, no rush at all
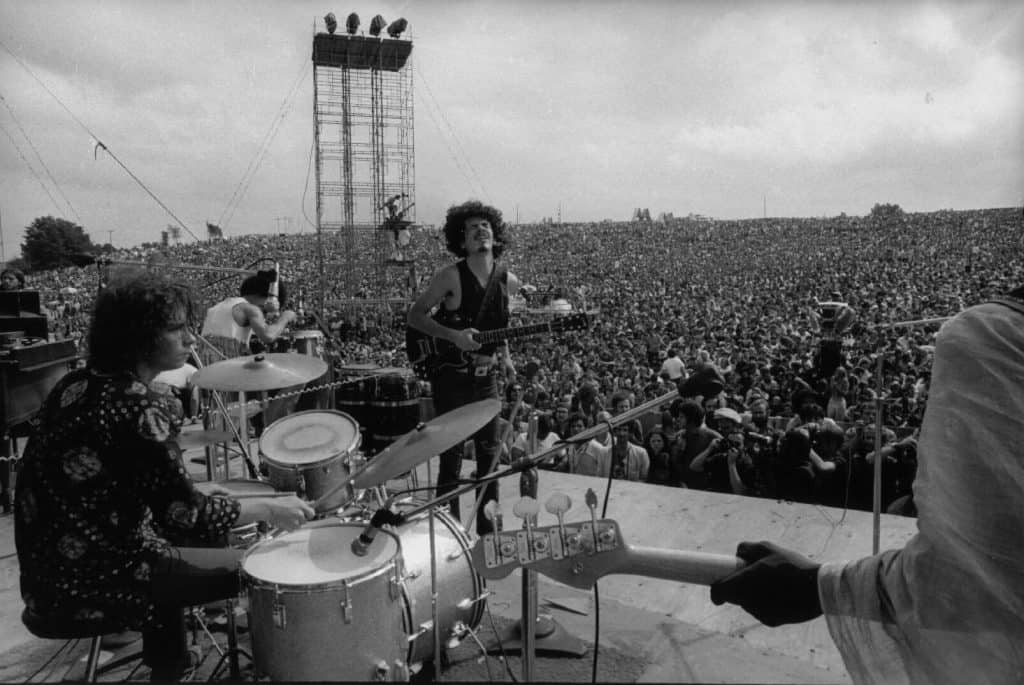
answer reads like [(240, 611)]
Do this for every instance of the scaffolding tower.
[(365, 168)]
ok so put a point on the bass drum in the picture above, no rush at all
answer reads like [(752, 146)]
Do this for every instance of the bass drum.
[(456, 581), (319, 612)]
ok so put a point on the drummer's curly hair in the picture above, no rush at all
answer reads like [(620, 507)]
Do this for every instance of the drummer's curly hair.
[(130, 315), (455, 226)]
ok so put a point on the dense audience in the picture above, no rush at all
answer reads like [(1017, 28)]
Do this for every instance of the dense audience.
[(796, 418)]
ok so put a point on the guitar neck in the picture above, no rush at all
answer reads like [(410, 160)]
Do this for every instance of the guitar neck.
[(700, 568), (499, 334)]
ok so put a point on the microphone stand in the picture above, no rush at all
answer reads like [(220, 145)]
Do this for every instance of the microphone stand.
[(531, 628), (534, 459)]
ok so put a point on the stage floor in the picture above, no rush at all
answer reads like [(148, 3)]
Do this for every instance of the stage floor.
[(672, 628)]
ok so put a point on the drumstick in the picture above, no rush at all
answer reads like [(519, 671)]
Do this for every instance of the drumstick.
[(253, 495)]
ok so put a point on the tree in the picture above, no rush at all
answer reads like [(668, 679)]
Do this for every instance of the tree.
[(52, 243), (887, 216)]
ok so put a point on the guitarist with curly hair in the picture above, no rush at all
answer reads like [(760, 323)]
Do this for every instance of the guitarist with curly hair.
[(470, 296)]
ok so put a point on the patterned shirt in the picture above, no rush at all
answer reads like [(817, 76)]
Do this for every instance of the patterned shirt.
[(101, 476)]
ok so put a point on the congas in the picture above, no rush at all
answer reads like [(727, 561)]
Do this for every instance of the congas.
[(456, 581), (311, 452), (312, 343), (395, 408), (319, 612), (355, 392), (241, 537)]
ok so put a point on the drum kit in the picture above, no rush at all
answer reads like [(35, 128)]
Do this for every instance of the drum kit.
[(385, 610)]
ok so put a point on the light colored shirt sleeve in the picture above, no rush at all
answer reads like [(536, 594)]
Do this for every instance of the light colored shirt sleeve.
[(949, 607)]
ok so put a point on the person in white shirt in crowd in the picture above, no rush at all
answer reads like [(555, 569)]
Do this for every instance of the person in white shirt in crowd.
[(673, 366)]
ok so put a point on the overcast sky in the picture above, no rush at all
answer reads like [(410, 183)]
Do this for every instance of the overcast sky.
[(598, 107)]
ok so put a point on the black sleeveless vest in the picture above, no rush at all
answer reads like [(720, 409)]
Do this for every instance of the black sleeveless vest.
[(472, 298)]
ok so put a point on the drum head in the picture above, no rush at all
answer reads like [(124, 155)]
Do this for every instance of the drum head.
[(309, 437), (318, 554)]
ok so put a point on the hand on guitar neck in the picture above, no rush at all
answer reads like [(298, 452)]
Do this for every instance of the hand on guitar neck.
[(774, 585)]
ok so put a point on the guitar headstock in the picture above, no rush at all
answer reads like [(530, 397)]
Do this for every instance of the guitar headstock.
[(576, 554)]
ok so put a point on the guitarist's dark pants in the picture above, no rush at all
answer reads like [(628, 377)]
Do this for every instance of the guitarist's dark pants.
[(454, 388)]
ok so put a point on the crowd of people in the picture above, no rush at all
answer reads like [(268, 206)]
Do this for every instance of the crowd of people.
[(795, 417)]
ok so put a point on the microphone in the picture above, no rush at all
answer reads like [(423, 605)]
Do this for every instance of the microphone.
[(273, 291), (381, 517)]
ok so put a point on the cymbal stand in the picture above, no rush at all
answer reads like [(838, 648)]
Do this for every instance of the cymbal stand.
[(434, 617), (236, 432), (506, 429)]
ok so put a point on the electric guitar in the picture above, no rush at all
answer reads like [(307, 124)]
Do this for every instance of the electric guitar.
[(578, 554), (429, 354)]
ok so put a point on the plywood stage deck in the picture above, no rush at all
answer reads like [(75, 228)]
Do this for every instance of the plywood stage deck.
[(682, 636)]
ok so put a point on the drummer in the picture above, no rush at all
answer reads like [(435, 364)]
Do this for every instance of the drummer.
[(230, 324), (103, 485)]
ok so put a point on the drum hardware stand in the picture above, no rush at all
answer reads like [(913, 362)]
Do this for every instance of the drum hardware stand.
[(231, 653), (433, 596), (233, 650), (237, 431)]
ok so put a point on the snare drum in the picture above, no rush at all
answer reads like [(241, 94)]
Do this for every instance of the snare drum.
[(456, 581), (310, 452), (319, 612), (395, 408)]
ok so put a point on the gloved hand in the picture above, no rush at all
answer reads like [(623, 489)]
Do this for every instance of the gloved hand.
[(777, 586)]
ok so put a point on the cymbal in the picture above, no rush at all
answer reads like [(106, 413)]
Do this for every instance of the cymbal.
[(420, 444), (260, 372)]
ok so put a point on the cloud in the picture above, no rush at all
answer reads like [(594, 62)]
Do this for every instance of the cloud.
[(816, 105)]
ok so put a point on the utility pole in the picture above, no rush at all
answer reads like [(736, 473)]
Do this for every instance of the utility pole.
[(765, 201), (110, 237), (3, 257)]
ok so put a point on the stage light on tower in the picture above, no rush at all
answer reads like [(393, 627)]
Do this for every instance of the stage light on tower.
[(377, 25), (352, 24), (397, 26), (332, 23)]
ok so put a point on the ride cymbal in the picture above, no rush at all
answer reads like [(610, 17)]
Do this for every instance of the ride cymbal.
[(260, 372), (423, 442)]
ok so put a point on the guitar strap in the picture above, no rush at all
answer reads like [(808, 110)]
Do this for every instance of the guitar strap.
[(491, 293)]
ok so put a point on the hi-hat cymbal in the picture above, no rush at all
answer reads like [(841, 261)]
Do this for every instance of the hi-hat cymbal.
[(420, 444), (260, 372)]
